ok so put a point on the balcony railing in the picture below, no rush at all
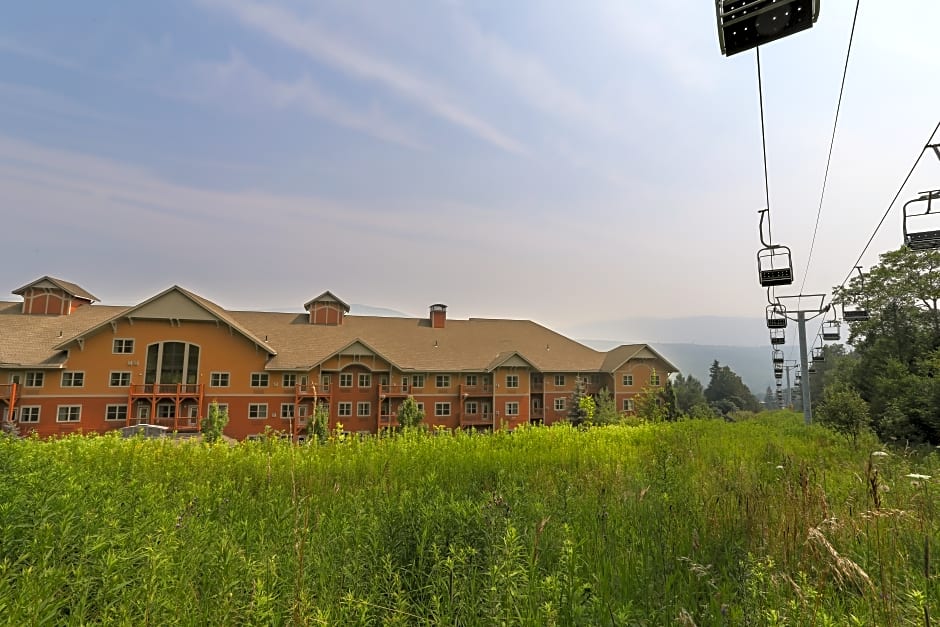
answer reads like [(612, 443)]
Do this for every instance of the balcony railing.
[(477, 419), (388, 420), (537, 414), (394, 389), (7, 391), (166, 389), (306, 389), (485, 389)]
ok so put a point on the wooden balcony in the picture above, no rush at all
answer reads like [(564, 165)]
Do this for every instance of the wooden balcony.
[(537, 386), (394, 390), (468, 391), (9, 392), (537, 414), (306, 390), (388, 420), (476, 420), (165, 390)]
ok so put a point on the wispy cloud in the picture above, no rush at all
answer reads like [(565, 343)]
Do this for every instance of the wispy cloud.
[(238, 81), (309, 38)]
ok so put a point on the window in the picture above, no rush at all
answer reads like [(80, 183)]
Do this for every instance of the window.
[(471, 379), (35, 379), (364, 409), (345, 408), (72, 380), (223, 407), (421, 407), (166, 410), (172, 362), (287, 410), (257, 410), (654, 378), (113, 413), (560, 404), (219, 379), (69, 413), (417, 381), (325, 380), (470, 407), (120, 379), (288, 380), (628, 380), (29, 414), (512, 408), (442, 409), (345, 380), (512, 380), (628, 404), (442, 381), (365, 380), (259, 379), (559, 380), (301, 411), (122, 347)]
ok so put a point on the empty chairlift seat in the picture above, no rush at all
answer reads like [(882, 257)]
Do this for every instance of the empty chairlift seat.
[(777, 357), (830, 330), (776, 317), (854, 313), (922, 227), (774, 266), (778, 337), (818, 355), (746, 24)]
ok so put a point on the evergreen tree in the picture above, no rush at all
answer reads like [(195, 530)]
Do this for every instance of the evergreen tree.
[(214, 424), (408, 413), (689, 393), (727, 392)]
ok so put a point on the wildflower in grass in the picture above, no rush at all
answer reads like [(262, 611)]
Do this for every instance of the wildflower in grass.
[(918, 477), (879, 454)]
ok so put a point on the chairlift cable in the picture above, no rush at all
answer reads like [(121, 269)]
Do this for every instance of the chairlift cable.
[(832, 141), (763, 140)]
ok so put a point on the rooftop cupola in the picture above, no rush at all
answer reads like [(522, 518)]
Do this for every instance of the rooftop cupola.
[(53, 297), (438, 316), (326, 309)]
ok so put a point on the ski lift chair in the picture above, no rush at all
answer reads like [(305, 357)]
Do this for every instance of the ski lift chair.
[(818, 355), (746, 24), (830, 330), (854, 313), (774, 266), (919, 238), (778, 375), (778, 357), (778, 337), (776, 316), (811, 369)]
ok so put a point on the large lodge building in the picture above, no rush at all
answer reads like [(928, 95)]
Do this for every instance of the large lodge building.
[(68, 364)]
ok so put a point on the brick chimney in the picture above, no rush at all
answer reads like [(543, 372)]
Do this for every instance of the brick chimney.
[(438, 316)]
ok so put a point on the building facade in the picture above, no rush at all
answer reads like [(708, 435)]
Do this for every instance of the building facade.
[(69, 364)]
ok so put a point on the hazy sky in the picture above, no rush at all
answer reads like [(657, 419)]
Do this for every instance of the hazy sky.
[(560, 161)]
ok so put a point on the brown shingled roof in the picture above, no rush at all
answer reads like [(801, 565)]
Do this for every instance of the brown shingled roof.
[(69, 288)]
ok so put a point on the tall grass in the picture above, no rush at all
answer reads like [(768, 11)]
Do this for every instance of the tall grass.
[(754, 523)]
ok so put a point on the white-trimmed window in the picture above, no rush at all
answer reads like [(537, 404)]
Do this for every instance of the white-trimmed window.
[(119, 379), (166, 410), (345, 380), (68, 413), (115, 413), (512, 408), (417, 380), (302, 411), (29, 413), (420, 407), (35, 379), (257, 410), (442, 409), (364, 409), (365, 380), (471, 379), (628, 404), (512, 380), (287, 410), (219, 379), (654, 378), (325, 380), (559, 380), (627, 380), (259, 379), (344, 409), (72, 380), (122, 346), (470, 407), (442, 381), (560, 404), (223, 408), (288, 380)]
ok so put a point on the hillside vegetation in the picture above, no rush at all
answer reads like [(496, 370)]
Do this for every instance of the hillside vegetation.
[(759, 522)]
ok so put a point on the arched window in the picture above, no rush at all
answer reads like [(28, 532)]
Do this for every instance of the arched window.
[(172, 362)]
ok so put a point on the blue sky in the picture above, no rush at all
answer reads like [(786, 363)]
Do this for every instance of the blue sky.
[(565, 162)]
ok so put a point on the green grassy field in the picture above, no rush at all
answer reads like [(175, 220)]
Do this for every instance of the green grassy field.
[(709, 523)]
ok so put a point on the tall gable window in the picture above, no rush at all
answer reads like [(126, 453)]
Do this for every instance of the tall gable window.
[(172, 362)]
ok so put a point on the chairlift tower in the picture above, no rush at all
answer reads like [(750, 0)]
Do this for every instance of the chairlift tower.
[(802, 315)]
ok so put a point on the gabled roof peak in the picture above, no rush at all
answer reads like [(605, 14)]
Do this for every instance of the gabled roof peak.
[(326, 297), (71, 289)]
